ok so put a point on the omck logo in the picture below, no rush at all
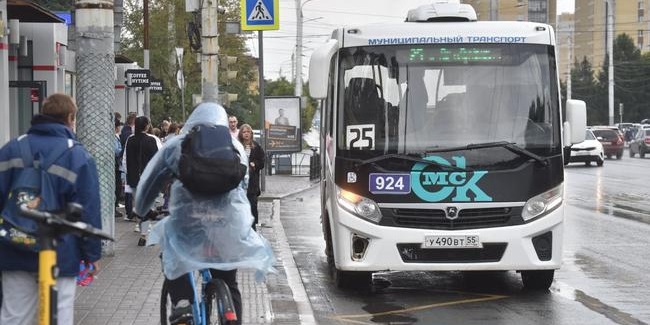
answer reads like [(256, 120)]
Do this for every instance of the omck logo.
[(439, 185)]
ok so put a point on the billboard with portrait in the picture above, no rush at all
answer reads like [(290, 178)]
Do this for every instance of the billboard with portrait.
[(282, 124)]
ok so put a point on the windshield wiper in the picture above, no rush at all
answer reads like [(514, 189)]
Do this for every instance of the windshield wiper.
[(510, 146), (409, 158)]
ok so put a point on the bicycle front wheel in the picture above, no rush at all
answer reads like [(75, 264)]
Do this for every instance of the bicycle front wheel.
[(220, 308)]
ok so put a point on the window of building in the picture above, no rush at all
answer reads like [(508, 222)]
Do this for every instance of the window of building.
[(69, 84), (640, 11), (639, 39)]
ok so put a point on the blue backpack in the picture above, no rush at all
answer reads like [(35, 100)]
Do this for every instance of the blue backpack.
[(34, 188)]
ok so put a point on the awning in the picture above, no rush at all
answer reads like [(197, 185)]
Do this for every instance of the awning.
[(29, 12)]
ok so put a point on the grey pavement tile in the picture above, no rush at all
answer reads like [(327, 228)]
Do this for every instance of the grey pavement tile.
[(127, 290)]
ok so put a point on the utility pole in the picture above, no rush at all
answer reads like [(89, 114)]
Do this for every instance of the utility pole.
[(298, 84), (298, 90), (568, 79), (293, 66), (146, 107), (610, 4), (4, 72), (95, 62), (494, 10), (264, 134), (209, 51)]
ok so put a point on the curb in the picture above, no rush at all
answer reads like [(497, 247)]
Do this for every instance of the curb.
[(271, 198), (305, 312)]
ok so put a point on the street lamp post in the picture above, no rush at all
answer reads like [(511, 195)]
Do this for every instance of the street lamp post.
[(298, 90), (610, 50), (568, 79), (145, 16)]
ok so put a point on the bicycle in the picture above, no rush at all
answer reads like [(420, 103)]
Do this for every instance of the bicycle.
[(215, 306), (51, 226)]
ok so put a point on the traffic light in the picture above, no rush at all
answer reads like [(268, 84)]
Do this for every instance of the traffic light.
[(227, 98)]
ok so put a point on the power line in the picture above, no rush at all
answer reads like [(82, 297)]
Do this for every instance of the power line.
[(294, 36), (357, 14)]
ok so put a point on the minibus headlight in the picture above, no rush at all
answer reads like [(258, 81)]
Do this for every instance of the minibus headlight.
[(359, 205), (543, 203)]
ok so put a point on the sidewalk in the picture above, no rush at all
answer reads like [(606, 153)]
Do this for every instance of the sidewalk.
[(127, 289)]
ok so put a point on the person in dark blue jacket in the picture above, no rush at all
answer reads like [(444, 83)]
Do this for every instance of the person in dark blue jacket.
[(76, 181)]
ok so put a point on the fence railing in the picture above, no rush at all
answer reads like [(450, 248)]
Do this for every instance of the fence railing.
[(299, 163)]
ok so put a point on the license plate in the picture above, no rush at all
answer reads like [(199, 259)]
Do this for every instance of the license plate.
[(457, 241)]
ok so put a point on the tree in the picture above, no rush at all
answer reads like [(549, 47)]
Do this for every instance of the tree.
[(644, 109), (168, 23), (583, 87), (279, 87), (630, 88)]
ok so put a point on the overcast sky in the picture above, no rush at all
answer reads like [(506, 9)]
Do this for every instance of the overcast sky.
[(320, 18)]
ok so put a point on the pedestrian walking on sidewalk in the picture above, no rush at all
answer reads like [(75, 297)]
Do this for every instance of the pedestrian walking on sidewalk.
[(256, 156), (73, 178), (119, 187), (140, 148), (202, 231), (125, 133)]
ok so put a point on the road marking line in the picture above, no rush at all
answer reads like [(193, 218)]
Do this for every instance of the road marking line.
[(346, 318)]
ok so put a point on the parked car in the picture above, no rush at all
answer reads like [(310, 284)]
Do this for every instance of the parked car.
[(587, 151), (612, 141), (624, 126), (641, 143)]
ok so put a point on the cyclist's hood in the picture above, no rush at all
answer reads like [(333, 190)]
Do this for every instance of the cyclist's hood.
[(206, 113)]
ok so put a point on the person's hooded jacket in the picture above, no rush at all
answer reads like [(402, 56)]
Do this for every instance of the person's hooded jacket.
[(201, 231), (78, 182)]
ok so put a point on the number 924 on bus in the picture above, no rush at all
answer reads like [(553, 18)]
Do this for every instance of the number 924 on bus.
[(381, 183)]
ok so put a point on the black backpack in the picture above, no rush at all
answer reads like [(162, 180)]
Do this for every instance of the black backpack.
[(209, 162)]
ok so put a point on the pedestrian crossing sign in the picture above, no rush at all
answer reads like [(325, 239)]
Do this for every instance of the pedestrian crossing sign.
[(260, 14)]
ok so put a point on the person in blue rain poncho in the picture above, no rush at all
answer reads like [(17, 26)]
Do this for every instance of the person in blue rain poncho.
[(201, 231)]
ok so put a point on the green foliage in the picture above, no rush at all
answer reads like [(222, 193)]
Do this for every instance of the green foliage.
[(310, 110), (280, 87), (583, 87), (167, 30), (631, 86)]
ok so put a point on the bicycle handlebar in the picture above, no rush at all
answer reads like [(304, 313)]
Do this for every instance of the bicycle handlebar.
[(58, 220)]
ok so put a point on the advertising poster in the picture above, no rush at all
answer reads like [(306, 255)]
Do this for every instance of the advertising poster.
[(282, 124)]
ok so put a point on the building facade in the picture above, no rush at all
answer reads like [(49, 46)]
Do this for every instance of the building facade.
[(542, 11), (630, 17), (565, 39), (39, 62), (37, 59)]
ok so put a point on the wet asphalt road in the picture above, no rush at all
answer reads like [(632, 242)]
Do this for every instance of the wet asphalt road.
[(605, 278)]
